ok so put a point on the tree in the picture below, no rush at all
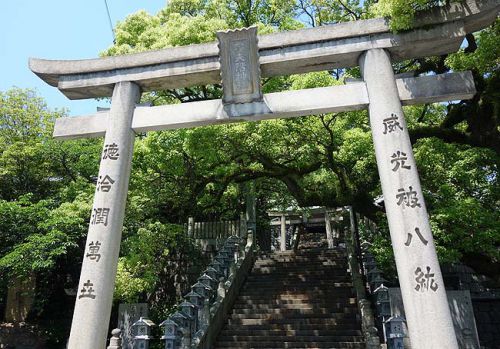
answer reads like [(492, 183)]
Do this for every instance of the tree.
[(158, 265), (46, 190), (322, 160)]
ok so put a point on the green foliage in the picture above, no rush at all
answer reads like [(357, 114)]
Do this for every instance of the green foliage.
[(485, 59), (156, 266), (25, 126), (141, 32), (24, 117), (38, 234), (402, 12), (463, 194), (19, 220), (322, 160)]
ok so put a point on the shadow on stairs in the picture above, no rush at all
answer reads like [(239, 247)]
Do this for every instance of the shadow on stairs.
[(302, 299)]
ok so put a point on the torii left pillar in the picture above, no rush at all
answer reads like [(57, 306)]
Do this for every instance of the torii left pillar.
[(95, 289)]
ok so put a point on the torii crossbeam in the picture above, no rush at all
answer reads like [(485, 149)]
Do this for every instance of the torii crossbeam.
[(239, 60)]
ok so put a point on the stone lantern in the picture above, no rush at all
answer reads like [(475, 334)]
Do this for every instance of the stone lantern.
[(184, 321), (382, 301), (373, 273), (191, 311), (369, 265), (223, 260), (202, 289), (368, 257), (365, 245), (207, 280), (213, 273), (377, 282), (180, 318), (229, 247), (188, 308), (219, 267), (171, 334), (233, 240), (394, 327), (195, 299), (228, 255), (143, 333)]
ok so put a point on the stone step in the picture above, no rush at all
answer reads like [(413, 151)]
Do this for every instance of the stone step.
[(296, 338), (323, 256), (340, 326), (321, 283), (289, 344), (284, 268), (309, 251), (344, 320), (297, 279), (297, 315), (304, 254), (295, 300), (288, 284), (293, 296), (311, 291), (297, 312), (243, 331), (267, 271), (266, 304), (310, 265), (297, 269), (297, 261)]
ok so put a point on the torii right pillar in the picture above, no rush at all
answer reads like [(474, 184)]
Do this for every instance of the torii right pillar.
[(424, 296)]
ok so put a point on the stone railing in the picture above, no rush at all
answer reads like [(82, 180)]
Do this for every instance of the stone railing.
[(370, 332), (203, 312)]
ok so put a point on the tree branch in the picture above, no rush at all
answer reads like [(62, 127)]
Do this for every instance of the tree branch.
[(354, 15), (453, 136)]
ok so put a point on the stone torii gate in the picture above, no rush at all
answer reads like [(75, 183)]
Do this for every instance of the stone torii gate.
[(240, 59)]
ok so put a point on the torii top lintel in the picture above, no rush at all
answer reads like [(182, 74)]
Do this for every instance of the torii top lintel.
[(436, 32)]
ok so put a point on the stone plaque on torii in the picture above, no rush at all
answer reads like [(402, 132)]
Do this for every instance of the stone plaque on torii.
[(239, 60)]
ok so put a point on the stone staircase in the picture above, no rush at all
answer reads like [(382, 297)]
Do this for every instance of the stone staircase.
[(302, 299)]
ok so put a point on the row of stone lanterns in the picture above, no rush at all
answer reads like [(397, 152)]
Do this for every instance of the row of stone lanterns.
[(193, 314), (143, 329), (392, 326)]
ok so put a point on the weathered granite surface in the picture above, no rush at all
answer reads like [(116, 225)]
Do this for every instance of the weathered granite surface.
[(353, 96), (336, 46), (420, 279), (463, 314), (90, 323)]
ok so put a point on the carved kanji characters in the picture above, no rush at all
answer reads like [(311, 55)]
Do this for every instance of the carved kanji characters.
[(111, 152), (392, 124), (94, 248), (87, 291), (425, 281), (407, 198), (420, 236), (399, 160), (100, 216), (104, 183)]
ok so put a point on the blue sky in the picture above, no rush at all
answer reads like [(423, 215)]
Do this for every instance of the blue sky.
[(58, 29)]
